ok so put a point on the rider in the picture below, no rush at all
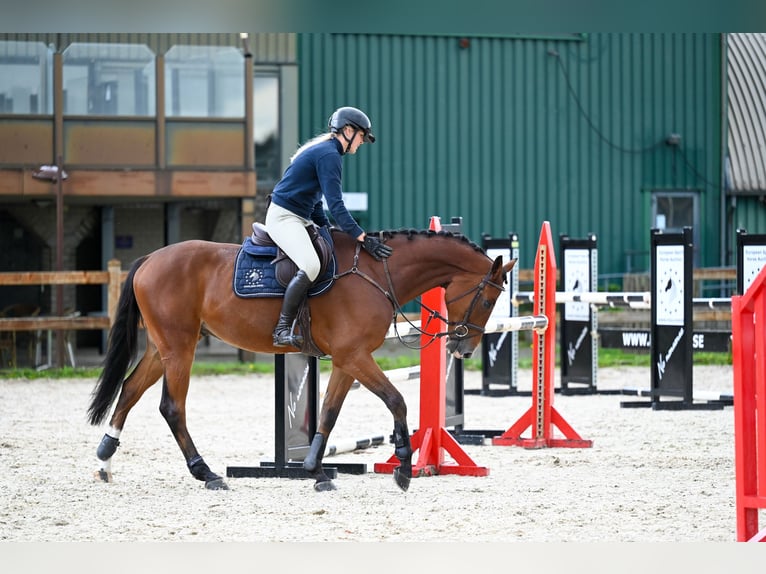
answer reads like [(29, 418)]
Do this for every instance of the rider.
[(296, 203)]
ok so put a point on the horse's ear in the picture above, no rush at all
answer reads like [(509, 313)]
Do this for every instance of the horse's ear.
[(505, 268)]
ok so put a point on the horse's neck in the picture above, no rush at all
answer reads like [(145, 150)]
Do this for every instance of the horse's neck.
[(429, 266)]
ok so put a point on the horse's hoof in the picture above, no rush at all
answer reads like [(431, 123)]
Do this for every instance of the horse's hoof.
[(216, 484), (401, 479), (324, 486), (102, 475)]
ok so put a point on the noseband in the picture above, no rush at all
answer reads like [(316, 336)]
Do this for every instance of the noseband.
[(463, 327), (460, 330)]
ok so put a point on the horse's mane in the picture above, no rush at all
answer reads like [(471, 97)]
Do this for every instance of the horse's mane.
[(411, 233)]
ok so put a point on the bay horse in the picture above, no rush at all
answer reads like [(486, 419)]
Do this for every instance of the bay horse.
[(184, 291)]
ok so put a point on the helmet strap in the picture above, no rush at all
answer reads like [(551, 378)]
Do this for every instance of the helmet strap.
[(348, 141)]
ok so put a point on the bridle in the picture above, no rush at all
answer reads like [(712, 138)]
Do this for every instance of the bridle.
[(459, 329)]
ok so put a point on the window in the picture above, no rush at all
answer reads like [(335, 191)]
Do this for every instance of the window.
[(266, 124), (204, 81), (674, 210), (109, 80), (26, 78)]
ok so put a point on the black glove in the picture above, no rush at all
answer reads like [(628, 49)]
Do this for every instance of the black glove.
[(376, 248)]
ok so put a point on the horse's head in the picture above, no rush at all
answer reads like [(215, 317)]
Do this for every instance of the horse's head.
[(470, 300)]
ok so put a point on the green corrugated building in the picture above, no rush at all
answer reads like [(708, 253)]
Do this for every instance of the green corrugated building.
[(606, 133)]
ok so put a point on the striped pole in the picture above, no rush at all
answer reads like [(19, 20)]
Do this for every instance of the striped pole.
[(524, 323), (635, 300), (351, 445)]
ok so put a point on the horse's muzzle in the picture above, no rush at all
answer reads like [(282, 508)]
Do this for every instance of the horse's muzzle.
[(460, 348)]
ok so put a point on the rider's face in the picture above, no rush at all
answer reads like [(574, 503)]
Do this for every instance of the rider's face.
[(358, 138)]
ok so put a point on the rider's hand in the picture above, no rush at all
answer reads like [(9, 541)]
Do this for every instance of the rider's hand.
[(376, 248)]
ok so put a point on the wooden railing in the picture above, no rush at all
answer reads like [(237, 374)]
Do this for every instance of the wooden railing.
[(113, 277)]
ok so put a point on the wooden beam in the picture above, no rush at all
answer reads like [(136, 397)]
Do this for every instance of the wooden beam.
[(54, 277), (64, 323), (715, 273), (133, 183)]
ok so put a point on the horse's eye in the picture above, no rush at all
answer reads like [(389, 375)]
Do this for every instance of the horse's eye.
[(487, 303)]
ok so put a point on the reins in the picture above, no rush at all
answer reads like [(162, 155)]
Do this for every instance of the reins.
[(461, 328)]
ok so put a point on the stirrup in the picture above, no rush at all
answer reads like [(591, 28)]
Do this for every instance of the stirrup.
[(286, 338)]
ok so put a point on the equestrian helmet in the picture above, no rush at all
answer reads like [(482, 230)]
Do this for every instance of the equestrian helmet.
[(351, 116)]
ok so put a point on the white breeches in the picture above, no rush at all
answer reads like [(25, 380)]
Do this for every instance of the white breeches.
[(289, 232)]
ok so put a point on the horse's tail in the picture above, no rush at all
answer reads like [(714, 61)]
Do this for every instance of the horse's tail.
[(121, 350)]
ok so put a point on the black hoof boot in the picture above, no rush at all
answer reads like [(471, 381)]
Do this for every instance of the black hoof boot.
[(312, 464), (201, 471), (403, 451), (107, 447)]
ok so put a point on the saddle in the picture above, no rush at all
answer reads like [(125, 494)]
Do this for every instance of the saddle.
[(262, 269), (285, 267)]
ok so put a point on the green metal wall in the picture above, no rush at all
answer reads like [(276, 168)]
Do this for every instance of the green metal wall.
[(487, 128)]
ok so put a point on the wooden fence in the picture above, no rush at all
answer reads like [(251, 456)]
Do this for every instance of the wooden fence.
[(113, 277)]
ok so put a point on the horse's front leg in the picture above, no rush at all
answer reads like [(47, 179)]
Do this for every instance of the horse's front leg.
[(337, 389), (367, 372), (403, 451), (173, 408)]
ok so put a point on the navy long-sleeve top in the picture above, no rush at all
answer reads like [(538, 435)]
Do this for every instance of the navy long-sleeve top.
[(316, 172)]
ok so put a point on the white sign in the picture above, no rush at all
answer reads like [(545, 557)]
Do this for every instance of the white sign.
[(503, 306), (669, 287), (753, 260), (577, 280), (353, 201)]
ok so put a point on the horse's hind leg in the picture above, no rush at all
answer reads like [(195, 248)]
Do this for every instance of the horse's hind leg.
[(147, 372), (337, 389)]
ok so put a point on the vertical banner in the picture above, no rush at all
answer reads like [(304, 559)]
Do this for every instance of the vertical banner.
[(672, 333), (671, 345), (500, 359), (579, 349), (301, 404)]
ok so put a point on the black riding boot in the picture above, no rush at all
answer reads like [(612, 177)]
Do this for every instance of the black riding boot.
[(294, 294)]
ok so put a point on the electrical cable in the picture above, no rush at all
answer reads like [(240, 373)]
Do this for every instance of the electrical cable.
[(590, 123), (606, 140), (694, 171)]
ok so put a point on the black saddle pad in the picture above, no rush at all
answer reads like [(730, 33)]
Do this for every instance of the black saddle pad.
[(255, 274)]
